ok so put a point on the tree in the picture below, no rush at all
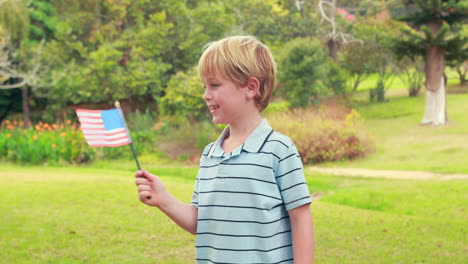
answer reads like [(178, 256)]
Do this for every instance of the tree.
[(14, 21), (308, 73), (411, 72), (432, 37), (329, 13), (44, 21), (457, 56), (110, 50), (30, 75), (374, 55), (360, 60), (129, 49), (184, 98)]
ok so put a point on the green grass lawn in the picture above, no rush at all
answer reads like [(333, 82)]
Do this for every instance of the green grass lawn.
[(395, 82), (402, 144), (92, 215)]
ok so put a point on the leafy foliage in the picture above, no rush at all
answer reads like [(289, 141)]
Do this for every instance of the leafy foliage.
[(412, 73), (14, 21), (60, 144), (307, 72), (302, 70), (98, 51), (452, 14), (183, 101), (319, 137), (44, 20), (377, 35)]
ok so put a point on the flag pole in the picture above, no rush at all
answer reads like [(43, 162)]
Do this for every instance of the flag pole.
[(117, 105), (135, 156)]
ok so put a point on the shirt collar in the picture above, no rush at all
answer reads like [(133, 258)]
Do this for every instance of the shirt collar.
[(254, 142)]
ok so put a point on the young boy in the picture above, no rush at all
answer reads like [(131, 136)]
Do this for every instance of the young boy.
[(251, 202)]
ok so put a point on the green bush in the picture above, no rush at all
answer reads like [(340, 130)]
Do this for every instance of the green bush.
[(306, 72), (337, 78), (301, 70), (43, 143), (323, 136), (141, 120), (377, 93), (60, 144), (188, 140), (183, 101)]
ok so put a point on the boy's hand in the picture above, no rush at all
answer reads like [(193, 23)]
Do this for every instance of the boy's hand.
[(150, 188)]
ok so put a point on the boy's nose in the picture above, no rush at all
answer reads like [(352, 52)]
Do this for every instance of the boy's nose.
[(206, 95)]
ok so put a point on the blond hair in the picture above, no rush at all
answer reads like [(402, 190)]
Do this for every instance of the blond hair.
[(238, 58)]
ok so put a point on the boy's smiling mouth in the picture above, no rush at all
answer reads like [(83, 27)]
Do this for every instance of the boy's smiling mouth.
[(213, 107)]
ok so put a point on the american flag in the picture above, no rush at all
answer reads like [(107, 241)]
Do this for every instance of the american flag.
[(104, 128)]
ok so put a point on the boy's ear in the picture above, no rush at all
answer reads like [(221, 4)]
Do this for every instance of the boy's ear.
[(253, 86)]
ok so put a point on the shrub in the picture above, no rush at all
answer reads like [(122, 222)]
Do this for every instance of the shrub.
[(183, 101), (45, 143), (336, 78), (323, 135), (301, 70), (306, 73), (188, 140)]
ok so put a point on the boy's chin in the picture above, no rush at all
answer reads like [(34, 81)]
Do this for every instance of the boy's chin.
[(217, 121)]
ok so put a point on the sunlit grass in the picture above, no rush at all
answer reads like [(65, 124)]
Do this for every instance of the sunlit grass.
[(403, 144), (395, 83), (92, 215), (85, 215)]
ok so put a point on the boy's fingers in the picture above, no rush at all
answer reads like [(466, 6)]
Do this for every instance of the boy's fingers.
[(141, 180), (144, 174), (144, 188), (138, 173), (145, 195), (144, 178)]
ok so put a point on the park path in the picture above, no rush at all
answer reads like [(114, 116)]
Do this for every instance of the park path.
[(390, 174)]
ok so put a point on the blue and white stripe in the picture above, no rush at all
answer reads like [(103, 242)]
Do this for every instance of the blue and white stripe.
[(243, 199)]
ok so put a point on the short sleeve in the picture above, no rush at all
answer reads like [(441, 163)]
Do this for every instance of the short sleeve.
[(290, 179), (194, 200)]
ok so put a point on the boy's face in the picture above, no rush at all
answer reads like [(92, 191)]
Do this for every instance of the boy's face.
[(226, 100)]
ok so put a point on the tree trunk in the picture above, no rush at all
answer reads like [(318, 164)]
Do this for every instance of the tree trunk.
[(25, 99), (357, 82), (436, 108), (461, 70), (332, 49)]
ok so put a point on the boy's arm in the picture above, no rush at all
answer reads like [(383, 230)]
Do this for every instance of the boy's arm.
[(302, 234), (153, 193)]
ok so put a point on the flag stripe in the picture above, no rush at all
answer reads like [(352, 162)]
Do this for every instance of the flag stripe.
[(106, 137), (108, 143), (101, 135), (85, 125), (103, 128), (90, 120), (88, 111), (89, 114), (107, 132)]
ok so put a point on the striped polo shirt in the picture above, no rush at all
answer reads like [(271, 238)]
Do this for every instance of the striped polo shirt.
[(243, 199)]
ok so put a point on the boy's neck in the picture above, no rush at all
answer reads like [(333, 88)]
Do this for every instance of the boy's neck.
[(239, 132)]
